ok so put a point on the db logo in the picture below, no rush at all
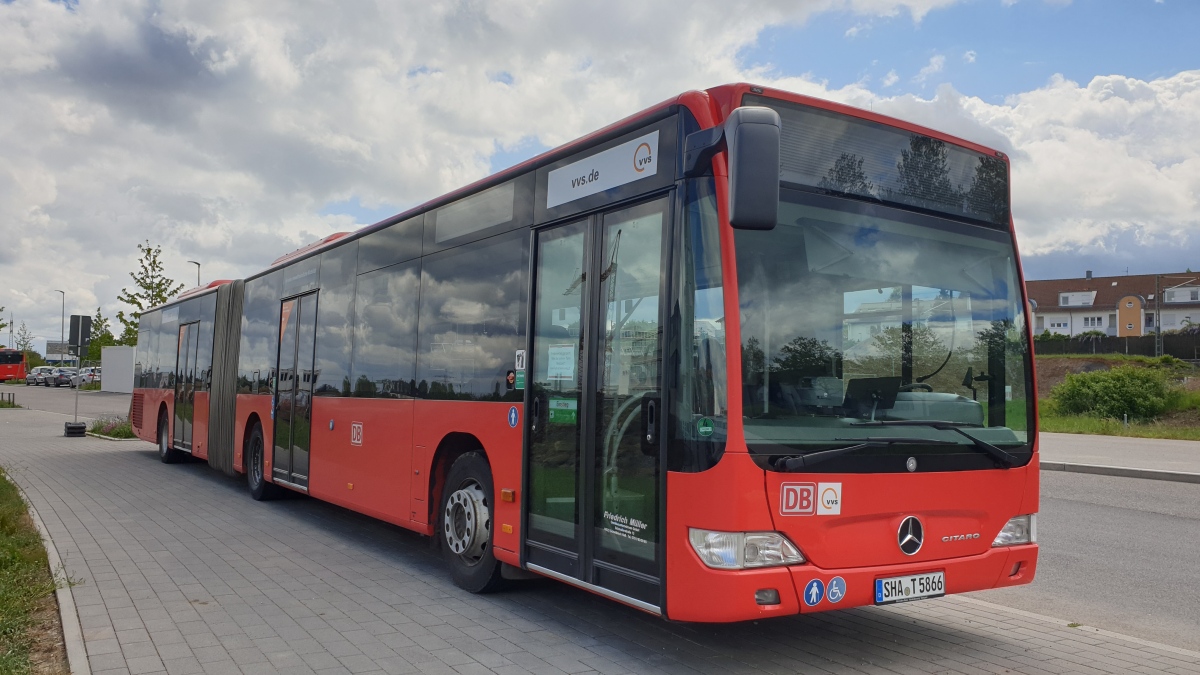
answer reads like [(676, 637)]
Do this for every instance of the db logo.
[(796, 499), (356, 433)]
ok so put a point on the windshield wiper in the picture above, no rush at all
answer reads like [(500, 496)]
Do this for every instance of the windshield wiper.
[(1003, 458), (797, 462)]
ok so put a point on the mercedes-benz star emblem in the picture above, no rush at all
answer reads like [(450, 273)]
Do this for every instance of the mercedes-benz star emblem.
[(910, 536), (911, 464)]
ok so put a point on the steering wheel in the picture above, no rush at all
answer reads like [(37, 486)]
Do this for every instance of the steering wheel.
[(914, 386)]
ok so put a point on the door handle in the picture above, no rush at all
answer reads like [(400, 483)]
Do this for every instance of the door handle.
[(650, 425), (536, 416)]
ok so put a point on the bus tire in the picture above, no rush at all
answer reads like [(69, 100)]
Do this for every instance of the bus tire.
[(255, 456), (465, 525), (166, 453)]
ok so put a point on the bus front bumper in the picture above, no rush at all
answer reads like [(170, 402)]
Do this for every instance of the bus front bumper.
[(731, 596)]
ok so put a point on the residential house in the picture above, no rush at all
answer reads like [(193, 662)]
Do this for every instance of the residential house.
[(1122, 306)]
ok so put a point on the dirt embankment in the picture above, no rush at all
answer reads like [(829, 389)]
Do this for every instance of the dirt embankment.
[(1053, 370)]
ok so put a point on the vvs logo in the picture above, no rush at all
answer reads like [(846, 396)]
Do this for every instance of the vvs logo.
[(796, 499), (642, 157), (356, 433)]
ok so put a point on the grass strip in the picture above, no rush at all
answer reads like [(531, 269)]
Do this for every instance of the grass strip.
[(26, 586), (1082, 424)]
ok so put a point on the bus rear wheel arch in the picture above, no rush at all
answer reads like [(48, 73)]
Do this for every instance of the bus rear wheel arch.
[(167, 453), (464, 524)]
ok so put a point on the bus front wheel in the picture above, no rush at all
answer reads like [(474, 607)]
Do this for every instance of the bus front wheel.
[(255, 454), (465, 525)]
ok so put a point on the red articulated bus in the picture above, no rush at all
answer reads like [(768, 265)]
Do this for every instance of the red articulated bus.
[(540, 369), (12, 364)]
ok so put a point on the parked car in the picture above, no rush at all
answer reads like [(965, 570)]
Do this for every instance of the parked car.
[(60, 376), (37, 375), (85, 376)]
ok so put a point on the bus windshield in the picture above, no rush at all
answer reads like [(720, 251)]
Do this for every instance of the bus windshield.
[(868, 326), (10, 357)]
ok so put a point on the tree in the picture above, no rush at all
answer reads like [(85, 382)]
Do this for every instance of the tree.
[(988, 195), (924, 172), (847, 175), (101, 336), (24, 339), (151, 288), (3, 323)]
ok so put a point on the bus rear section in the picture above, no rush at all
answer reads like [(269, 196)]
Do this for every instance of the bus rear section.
[(12, 365), (880, 436)]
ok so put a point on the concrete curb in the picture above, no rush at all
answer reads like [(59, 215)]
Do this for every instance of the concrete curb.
[(77, 659), (1123, 472), (111, 438)]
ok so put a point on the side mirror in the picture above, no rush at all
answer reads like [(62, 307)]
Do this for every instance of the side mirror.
[(751, 138)]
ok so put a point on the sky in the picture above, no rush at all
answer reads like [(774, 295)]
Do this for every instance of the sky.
[(231, 133)]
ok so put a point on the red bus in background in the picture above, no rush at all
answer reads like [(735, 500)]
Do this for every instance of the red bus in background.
[(12, 364), (743, 354)]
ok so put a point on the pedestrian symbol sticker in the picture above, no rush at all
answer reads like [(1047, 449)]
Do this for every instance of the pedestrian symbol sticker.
[(813, 592), (512, 417), (837, 589)]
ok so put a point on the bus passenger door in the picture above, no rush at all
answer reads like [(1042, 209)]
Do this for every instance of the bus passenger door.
[(293, 393), (185, 366), (594, 478)]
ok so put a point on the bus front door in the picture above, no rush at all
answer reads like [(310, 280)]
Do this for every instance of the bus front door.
[(293, 395), (593, 466), (185, 385)]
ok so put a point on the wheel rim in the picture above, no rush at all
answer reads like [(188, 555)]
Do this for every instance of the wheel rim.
[(256, 460), (467, 523)]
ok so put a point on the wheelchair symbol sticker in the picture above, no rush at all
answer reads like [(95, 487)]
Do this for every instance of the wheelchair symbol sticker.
[(837, 589)]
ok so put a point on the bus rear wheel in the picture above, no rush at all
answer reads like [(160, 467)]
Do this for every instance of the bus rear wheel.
[(166, 453), (255, 458), (465, 525)]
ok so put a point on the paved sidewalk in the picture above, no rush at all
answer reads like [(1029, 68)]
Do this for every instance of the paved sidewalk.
[(1138, 453), (180, 572)]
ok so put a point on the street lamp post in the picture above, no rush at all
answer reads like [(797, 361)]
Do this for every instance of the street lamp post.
[(197, 271), (61, 326)]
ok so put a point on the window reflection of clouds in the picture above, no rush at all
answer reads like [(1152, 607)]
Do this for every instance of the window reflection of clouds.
[(335, 315), (260, 325), (472, 304), (385, 331)]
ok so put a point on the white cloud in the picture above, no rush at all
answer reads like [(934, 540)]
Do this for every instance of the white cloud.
[(937, 63), (969, 56), (220, 129)]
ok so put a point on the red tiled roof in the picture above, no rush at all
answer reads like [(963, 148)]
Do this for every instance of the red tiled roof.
[(1046, 292)]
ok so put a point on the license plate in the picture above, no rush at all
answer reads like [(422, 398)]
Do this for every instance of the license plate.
[(911, 587)]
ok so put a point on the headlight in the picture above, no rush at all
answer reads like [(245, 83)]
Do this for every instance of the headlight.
[(1019, 530), (741, 550)]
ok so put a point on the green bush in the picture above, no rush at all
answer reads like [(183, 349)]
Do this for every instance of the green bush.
[(1141, 393)]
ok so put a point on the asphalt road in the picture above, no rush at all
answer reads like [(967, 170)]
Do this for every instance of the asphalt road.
[(92, 404), (1121, 554)]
